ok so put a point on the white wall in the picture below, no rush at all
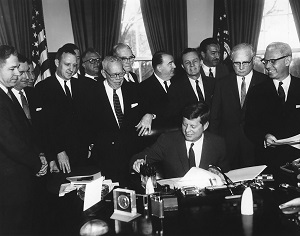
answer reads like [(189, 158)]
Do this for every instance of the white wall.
[(57, 23), (200, 21)]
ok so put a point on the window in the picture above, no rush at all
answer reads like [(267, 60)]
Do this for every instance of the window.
[(133, 33), (278, 26)]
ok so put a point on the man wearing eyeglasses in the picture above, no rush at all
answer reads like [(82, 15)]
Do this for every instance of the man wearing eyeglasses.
[(116, 134), (273, 108), (228, 106), (91, 61), (124, 52)]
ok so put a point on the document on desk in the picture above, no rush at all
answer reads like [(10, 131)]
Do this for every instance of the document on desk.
[(294, 141), (84, 179), (92, 193), (248, 173)]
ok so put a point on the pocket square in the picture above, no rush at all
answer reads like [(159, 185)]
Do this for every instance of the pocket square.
[(297, 106), (39, 109), (134, 105)]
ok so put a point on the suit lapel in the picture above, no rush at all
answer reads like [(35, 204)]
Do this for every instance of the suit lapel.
[(205, 153), (182, 153)]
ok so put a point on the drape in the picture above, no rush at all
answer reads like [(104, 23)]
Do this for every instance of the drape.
[(15, 19), (96, 23), (295, 6), (245, 19), (166, 25)]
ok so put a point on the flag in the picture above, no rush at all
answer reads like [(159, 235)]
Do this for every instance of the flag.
[(221, 29), (39, 50)]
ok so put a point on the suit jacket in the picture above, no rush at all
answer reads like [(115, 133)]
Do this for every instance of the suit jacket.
[(170, 150), (266, 115), (221, 71), (113, 145), (181, 93), (67, 125), (228, 118), (19, 156)]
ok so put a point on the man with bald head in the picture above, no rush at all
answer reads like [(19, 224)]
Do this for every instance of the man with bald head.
[(273, 108), (228, 106), (115, 138)]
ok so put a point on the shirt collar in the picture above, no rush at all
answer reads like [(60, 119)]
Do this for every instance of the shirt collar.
[(3, 88)]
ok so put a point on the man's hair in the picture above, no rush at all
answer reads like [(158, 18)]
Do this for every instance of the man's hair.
[(242, 46), (5, 52), (188, 50), (64, 49), (284, 48), (157, 58), (89, 50), (72, 45), (110, 59), (118, 47), (23, 59), (195, 110), (205, 43)]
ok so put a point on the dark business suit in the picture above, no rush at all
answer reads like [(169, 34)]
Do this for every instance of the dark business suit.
[(266, 115), (170, 150), (67, 125), (113, 145), (181, 93), (221, 71), (20, 162), (228, 118)]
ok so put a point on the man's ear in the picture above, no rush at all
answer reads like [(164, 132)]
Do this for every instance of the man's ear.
[(182, 66), (202, 55), (205, 126), (56, 61), (103, 73), (288, 60), (158, 68)]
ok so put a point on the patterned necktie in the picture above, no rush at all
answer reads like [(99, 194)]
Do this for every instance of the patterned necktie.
[(25, 105), (192, 161), (200, 94), (166, 86), (243, 91), (68, 93), (210, 73), (281, 93), (118, 108)]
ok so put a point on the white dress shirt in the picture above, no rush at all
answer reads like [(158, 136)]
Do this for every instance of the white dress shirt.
[(197, 149), (18, 96), (247, 81), (90, 76), (206, 70), (3, 88), (128, 77), (62, 83), (285, 84), (161, 81), (193, 83)]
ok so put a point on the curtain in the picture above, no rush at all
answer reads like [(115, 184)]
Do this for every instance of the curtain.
[(96, 23), (15, 24), (295, 5), (244, 18), (166, 25)]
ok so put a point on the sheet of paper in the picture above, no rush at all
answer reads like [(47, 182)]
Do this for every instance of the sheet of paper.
[(248, 173), (84, 179), (92, 193)]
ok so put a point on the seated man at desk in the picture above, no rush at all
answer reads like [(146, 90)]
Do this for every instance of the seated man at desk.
[(178, 151)]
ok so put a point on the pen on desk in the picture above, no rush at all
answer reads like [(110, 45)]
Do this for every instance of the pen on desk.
[(211, 183)]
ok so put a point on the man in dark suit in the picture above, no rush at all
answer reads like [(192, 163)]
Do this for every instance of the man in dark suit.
[(19, 156), (209, 51), (153, 94), (273, 111), (190, 87), (228, 106), (91, 61), (64, 104), (178, 151), (124, 52), (115, 140)]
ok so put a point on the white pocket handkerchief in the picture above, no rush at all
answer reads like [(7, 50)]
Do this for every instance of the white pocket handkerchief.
[(134, 105), (297, 106), (39, 109)]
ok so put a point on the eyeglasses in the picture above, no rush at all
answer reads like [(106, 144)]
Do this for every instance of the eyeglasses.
[(93, 60), (244, 63), (272, 61), (128, 59), (114, 76)]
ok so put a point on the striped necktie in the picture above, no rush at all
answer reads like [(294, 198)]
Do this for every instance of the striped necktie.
[(200, 94), (243, 91), (118, 108)]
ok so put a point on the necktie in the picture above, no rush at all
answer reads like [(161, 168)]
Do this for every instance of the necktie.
[(200, 94), (210, 73), (68, 93), (243, 91), (118, 108), (192, 161), (25, 105), (166, 86), (281, 93)]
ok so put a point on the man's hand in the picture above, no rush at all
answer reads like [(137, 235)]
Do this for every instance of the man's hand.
[(53, 167), (144, 126), (137, 164), (44, 167), (269, 140), (63, 161), (291, 207)]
